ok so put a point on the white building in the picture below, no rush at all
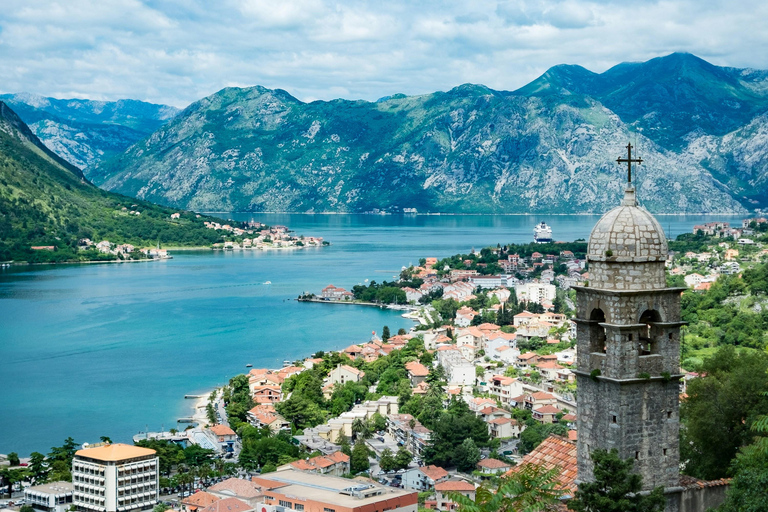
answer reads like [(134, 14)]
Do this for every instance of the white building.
[(424, 478), (115, 478), (52, 497), (535, 292), (344, 373)]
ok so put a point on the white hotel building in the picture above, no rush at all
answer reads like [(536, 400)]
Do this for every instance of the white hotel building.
[(115, 478)]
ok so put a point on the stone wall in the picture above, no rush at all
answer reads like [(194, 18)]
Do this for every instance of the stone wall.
[(613, 275), (638, 417)]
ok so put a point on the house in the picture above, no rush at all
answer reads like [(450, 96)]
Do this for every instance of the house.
[(549, 370), (504, 388), (534, 400), (244, 490), (409, 432), (444, 489), (546, 413), (527, 360), (335, 293), (344, 373), (337, 464), (264, 415), (225, 436), (353, 351), (458, 370), (50, 497), (228, 505), (267, 394), (412, 295), (501, 428), (417, 372), (198, 501), (493, 466), (424, 478)]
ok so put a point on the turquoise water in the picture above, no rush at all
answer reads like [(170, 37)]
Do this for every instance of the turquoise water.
[(92, 350)]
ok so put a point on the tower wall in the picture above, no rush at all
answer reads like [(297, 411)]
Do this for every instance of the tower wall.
[(628, 379)]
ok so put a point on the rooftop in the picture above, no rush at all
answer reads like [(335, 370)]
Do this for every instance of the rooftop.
[(114, 452), (454, 485), (554, 451), (237, 487), (333, 490)]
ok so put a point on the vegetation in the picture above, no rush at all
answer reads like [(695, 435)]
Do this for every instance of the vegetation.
[(44, 201), (457, 434), (615, 488), (529, 489), (721, 407)]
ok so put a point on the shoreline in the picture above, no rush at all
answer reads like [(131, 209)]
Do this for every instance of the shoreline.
[(447, 214)]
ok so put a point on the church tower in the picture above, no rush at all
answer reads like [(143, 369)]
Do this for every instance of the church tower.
[(628, 332)]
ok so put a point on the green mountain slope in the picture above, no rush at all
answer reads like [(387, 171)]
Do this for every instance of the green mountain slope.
[(667, 97), (468, 150), (44, 201), (84, 132)]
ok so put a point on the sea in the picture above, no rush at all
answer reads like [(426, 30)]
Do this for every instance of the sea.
[(90, 350)]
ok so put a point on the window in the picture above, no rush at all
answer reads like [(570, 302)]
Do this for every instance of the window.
[(637, 455), (665, 451), (286, 504), (298, 506), (326, 509), (614, 418)]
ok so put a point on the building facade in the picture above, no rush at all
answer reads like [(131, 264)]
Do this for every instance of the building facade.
[(628, 332), (115, 478)]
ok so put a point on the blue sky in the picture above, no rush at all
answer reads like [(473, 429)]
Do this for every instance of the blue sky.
[(177, 51)]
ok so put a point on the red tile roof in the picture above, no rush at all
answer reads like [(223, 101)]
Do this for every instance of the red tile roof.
[(222, 430), (434, 472), (493, 464), (417, 369), (228, 505), (547, 409), (554, 451), (454, 485), (200, 499), (238, 487)]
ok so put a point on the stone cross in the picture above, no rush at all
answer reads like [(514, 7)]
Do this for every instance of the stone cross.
[(629, 161)]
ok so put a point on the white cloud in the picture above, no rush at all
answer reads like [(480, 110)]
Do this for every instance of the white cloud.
[(176, 51)]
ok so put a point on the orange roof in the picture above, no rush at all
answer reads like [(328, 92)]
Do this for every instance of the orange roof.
[(352, 370), (525, 314), (115, 452), (541, 395), (200, 499), (569, 417), (554, 451), (228, 505), (222, 430), (527, 355), (321, 461), (493, 464), (238, 486), (454, 485), (549, 365), (503, 421), (488, 327), (417, 369), (434, 472), (352, 349), (547, 409), (572, 435)]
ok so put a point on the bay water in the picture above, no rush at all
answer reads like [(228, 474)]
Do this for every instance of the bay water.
[(111, 349)]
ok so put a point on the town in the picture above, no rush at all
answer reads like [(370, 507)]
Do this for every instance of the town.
[(482, 386)]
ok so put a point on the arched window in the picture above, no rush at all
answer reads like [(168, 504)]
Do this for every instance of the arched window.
[(597, 337), (649, 337)]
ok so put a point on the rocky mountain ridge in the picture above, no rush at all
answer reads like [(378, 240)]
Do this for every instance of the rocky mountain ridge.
[(549, 147), (84, 132)]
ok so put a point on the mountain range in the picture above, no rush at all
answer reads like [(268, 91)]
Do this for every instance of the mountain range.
[(84, 132), (47, 202), (548, 147)]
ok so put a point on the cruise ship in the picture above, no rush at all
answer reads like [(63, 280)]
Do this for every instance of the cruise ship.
[(542, 233)]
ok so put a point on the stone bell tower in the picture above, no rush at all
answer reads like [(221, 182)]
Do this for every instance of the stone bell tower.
[(628, 332)]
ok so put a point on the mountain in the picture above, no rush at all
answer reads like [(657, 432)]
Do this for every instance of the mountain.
[(45, 201), (468, 150), (84, 132)]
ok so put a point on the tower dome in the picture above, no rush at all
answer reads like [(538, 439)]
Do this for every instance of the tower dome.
[(627, 248)]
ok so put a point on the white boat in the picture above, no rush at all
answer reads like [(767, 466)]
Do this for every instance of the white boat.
[(267, 282), (542, 233)]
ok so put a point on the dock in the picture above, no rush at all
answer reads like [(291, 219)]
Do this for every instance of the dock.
[(193, 396)]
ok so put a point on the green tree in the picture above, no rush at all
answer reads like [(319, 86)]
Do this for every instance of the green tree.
[(387, 460), (26, 508), (13, 459), (385, 334), (38, 468), (615, 488), (401, 332), (529, 489), (749, 487), (466, 456), (720, 409), (359, 459), (403, 458)]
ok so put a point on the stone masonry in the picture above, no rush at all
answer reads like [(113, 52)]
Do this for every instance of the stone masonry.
[(628, 334)]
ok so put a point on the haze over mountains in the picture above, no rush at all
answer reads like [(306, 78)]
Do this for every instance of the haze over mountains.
[(547, 147)]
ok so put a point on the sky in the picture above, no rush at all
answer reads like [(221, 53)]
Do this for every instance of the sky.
[(178, 51)]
